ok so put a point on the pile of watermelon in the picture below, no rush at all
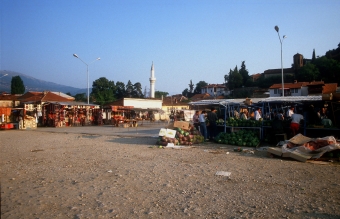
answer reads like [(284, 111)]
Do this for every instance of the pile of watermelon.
[(183, 137), (246, 138), (231, 121)]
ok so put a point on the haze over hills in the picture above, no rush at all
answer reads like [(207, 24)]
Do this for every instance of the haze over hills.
[(33, 84)]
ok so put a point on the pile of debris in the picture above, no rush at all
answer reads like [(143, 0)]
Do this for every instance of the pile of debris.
[(302, 148)]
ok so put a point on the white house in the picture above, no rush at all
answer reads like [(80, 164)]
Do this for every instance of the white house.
[(214, 90), (290, 89)]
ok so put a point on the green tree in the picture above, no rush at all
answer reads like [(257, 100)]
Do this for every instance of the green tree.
[(267, 82), (129, 89), (137, 90), (185, 92), (191, 86), (159, 94), (308, 73), (103, 91), (17, 85), (313, 56), (235, 79), (244, 73), (199, 86), (80, 97), (329, 69), (120, 90)]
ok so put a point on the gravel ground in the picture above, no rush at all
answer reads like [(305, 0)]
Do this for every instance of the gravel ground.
[(70, 175)]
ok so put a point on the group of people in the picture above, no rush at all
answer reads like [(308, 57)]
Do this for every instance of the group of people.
[(206, 123)]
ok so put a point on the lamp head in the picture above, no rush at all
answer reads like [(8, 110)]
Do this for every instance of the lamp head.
[(284, 36), (276, 28), (75, 55)]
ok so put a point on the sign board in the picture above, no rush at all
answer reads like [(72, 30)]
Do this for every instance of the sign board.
[(182, 124), (170, 133)]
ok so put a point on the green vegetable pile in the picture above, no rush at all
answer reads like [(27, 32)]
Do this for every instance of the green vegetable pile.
[(248, 138), (242, 122)]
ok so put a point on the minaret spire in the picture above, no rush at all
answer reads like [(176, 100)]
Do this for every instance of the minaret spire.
[(152, 82)]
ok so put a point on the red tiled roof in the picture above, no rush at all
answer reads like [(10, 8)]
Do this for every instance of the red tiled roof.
[(329, 88), (42, 97), (9, 97), (289, 85), (200, 96)]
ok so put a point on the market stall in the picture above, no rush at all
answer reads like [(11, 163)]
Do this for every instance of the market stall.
[(230, 112), (59, 114)]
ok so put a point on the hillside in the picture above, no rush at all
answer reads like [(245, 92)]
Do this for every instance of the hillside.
[(33, 84)]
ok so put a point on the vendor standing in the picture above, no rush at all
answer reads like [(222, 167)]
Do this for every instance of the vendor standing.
[(195, 120), (295, 123), (203, 125), (212, 118), (257, 113), (290, 112)]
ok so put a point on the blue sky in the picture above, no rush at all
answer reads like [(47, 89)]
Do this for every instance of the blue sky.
[(198, 40)]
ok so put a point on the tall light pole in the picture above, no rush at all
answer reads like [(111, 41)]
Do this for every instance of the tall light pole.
[(284, 36), (87, 71)]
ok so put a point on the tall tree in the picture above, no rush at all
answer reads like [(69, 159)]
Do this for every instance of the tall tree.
[(17, 85), (199, 86), (244, 73), (103, 91), (313, 56), (129, 89), (137, 90), (235, 79), (120, 90), (191, 86)]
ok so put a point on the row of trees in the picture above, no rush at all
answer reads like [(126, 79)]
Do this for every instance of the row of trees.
[(106, 91)]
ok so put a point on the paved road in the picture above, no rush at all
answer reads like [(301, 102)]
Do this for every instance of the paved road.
[(145, 129)]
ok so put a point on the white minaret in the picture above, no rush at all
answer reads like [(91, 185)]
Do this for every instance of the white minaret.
[(152, 82)]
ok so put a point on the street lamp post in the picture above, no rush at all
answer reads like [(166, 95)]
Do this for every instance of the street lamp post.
[(284, 36), (87, 71)]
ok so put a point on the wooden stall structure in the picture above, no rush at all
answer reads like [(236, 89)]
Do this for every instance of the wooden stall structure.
[(121, 116), (59, 114)]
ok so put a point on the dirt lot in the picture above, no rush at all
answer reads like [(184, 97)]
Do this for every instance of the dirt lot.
[(60, 175)]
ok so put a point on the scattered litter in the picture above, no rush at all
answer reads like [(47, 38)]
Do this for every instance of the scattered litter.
[(171, 145), (227, 153), (248, 151), (223, 173), (262, 148), (238, 149), (37, 150), (109, 171), (318, 162)]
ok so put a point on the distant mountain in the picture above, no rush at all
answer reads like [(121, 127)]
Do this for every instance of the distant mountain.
[(33, 84)]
